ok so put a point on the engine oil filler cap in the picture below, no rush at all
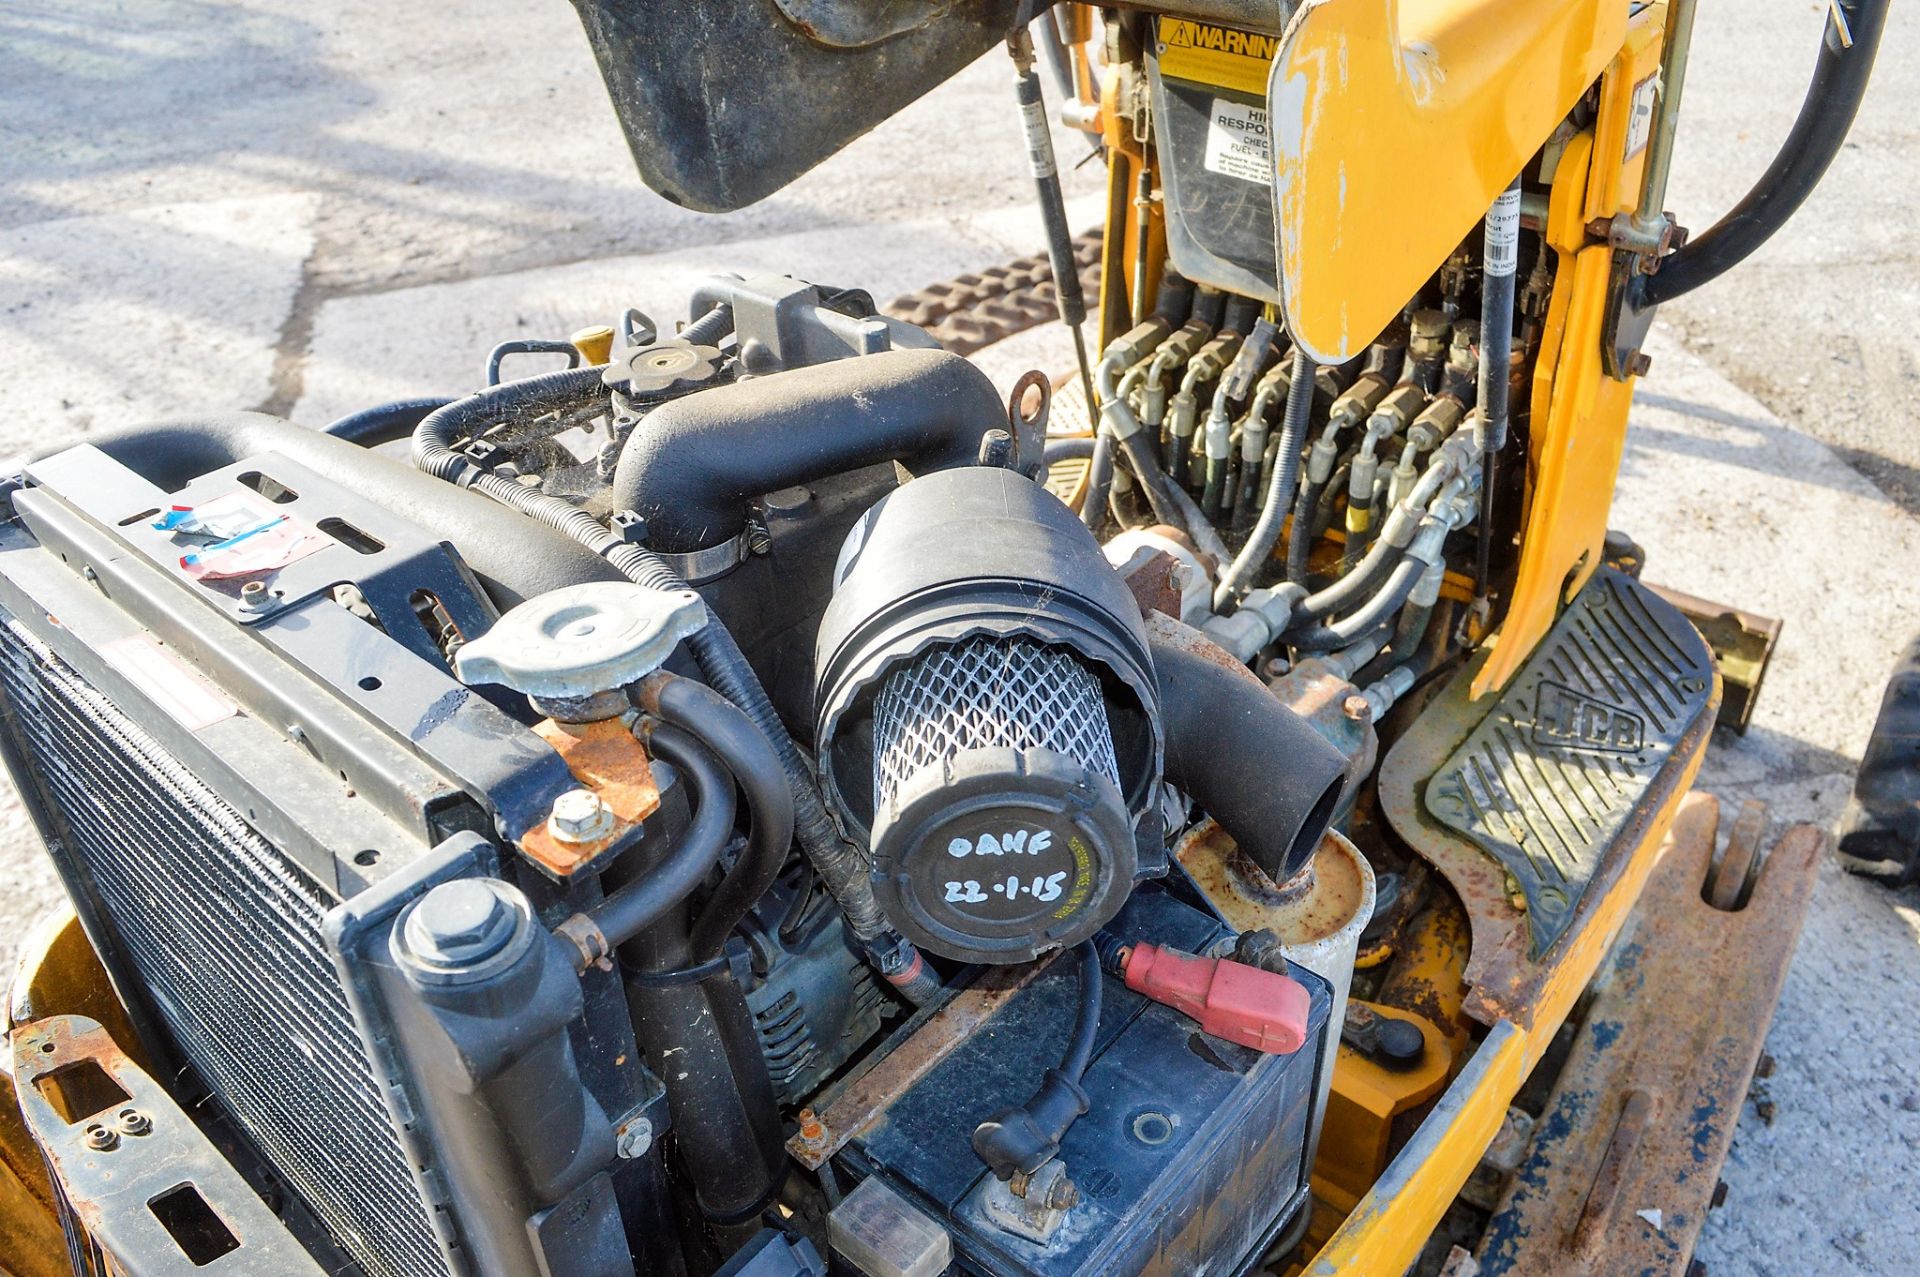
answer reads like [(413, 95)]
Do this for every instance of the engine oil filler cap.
[(999, 855), (582, 639)]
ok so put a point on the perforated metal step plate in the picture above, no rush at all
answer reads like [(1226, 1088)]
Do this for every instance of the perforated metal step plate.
[(1545, 782)]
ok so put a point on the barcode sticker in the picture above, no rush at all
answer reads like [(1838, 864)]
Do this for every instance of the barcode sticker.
[(1039, 139), (1503, 233)]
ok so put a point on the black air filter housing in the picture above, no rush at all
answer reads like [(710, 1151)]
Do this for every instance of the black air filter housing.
[(987, 716)]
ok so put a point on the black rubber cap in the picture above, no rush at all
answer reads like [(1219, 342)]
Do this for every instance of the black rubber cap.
[(1001, 855)]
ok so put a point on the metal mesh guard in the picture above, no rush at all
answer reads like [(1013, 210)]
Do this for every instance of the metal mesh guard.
[(985, 693)]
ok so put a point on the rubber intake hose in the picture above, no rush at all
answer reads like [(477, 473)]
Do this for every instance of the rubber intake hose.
[(1238, 578), (703, 457), (641, 903), (513, 559), (745, 751), (384, 423), (1826, 114), (1254, 765), (720, 659)]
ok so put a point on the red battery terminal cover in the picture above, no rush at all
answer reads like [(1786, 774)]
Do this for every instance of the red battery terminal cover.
[(1261, 1009)]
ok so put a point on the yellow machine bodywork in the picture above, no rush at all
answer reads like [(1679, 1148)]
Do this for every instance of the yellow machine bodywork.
[(1377, 105)]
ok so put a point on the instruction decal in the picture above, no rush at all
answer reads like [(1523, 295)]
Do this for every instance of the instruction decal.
[(1239, 143)]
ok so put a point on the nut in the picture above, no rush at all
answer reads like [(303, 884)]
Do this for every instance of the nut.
[(254, 596), (580, 816), (134, 1122), (101, 1138)]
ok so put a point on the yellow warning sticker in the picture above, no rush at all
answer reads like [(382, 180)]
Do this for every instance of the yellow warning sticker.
[(1223, 56)]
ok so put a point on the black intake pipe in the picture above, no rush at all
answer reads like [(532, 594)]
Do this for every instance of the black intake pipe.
[(514, 557), (692, 469), (1254, 765)]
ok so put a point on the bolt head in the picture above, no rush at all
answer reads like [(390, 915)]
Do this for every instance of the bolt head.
[(1357, 708), (461, 922), (579, 815), (634, 1139)]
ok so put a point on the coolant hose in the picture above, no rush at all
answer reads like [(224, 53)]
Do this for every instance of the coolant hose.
[(745, 751), (384, 423), (1254, 765), (721, 661), (639, 904), (1238, 578), (698, 1034), (703, 457)]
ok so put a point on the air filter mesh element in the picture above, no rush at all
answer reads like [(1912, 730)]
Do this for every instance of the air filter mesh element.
[(985, 693), (223, 930)]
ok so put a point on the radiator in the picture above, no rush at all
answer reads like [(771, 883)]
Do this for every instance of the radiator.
[(223, 932)]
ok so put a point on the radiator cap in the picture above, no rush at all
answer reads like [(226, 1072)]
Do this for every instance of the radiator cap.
[(582, 639)]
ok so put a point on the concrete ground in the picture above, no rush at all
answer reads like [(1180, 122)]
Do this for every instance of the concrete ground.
[(209, 205)]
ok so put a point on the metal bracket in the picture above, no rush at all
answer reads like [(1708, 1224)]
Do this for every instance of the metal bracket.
[(135, 1176)]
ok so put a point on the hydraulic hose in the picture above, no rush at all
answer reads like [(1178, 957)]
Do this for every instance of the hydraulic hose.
[(1254, 765), (646, 900), (1826, 114), (384, 423), (1238, 578), (744, 750), (703, 457), (1329, 638)]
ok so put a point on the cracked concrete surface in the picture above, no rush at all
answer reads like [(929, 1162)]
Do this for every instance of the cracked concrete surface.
[(210, 205)]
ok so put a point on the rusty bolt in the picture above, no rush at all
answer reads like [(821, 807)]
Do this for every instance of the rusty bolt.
[(1719, 1195), (580, 816), (812, 1130), (1764, 1110), (254, 596), (1062, 1194), (1640, 364), (1357, 708), (134, 1122), (1763, 1067), (101, 1138), (634, 1139)]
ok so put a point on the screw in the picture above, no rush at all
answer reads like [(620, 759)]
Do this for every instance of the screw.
[(1357, 708), (759, 540), (254, 596), (580, 816), (461, 922), (634, 1139), (134, 1122), (101, 1138)]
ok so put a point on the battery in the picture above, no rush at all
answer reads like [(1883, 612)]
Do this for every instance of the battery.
[(1190, 1158)]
